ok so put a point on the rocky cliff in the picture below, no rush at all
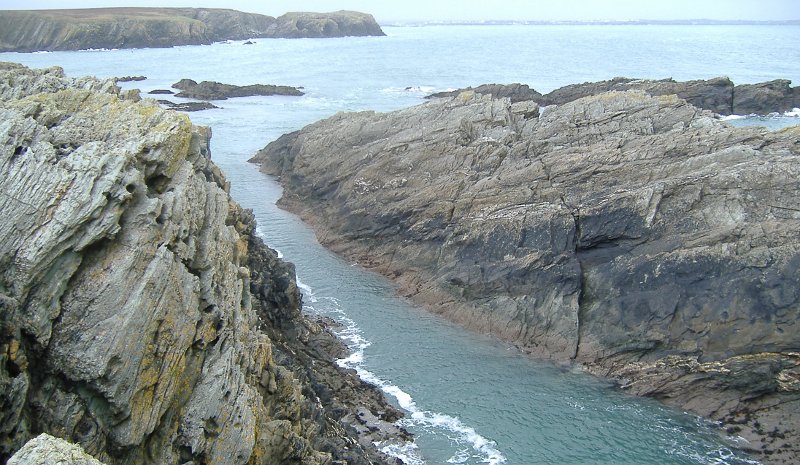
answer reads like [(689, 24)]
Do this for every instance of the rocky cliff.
[(140, 315), (637, 236), (719, 95), (336, 24), (78, 29)]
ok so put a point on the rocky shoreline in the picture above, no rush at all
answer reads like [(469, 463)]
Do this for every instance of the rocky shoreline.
[(141, 317), (112, 28), (719, 95), (634, 235)]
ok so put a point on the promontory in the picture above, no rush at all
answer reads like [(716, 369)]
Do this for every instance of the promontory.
[(110, 28), (632, 234), (141, 316)]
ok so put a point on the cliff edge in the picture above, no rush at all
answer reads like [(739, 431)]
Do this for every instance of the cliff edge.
[(110, 28), (140, 315), (637, 236)]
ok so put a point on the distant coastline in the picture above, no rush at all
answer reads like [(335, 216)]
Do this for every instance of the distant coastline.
[(637, 22)]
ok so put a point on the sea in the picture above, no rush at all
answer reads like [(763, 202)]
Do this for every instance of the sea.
[(468, 399)]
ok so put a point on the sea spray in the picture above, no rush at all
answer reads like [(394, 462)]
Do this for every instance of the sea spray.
[(468, 443)]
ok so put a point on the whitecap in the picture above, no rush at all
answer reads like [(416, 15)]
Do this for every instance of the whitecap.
[(795, 113), (450, 426)]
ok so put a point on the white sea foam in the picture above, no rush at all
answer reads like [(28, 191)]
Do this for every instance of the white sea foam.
[(421, 90), (453, 428), (793, 113)]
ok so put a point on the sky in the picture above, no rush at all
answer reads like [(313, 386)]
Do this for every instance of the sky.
[(475, 10)]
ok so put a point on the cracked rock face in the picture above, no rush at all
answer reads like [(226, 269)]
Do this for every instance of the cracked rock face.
[(127, 321), (614, 230)]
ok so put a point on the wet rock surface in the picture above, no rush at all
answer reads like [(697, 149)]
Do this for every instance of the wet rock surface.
[(719, 95), (140, 316), (188, 106), (635, 235), (210, 90)]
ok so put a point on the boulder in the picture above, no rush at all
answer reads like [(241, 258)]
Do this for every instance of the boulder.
[(46, 450), (634, 235)]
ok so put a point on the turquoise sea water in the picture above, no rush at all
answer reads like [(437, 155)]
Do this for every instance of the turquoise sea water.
[(468, 399)]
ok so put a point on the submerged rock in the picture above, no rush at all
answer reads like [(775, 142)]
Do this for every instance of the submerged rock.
[(188, 106), (141, 317), (210, 90), (635, 235)]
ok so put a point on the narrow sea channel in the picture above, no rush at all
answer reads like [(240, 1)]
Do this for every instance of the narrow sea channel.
[(469, 399)]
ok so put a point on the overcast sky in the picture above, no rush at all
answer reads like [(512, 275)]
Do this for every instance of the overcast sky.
[(391, 10)]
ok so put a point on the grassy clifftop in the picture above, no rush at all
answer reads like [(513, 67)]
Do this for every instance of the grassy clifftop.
[(76, 29)]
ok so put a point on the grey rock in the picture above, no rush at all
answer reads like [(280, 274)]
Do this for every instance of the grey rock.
[(131, 78), (141, 317), (764, 97), (47, 450), (714, 94), (515, 92), (188, 106), (335, 24), (637, 236), (718, 95), (210, 90)]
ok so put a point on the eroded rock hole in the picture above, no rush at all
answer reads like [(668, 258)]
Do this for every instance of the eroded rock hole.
[(157, 183), (18, 152)]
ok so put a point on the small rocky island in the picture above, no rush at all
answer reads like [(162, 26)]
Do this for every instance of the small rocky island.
[(625, 230), (98, 28), (211, 90), (141, 317)]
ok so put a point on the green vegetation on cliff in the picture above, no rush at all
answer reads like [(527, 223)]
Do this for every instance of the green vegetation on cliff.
[(78, 29)]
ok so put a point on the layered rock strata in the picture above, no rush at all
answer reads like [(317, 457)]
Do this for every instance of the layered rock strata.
[(93, 28), (637, 236), (140, 315), (719, 95)]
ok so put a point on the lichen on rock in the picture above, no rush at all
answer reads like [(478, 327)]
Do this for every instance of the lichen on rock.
[(127, 319)]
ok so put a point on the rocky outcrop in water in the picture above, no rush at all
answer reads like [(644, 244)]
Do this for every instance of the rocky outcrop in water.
[(140, 315), (210, 90), (718, 95), (96, 28), (335, 24), (514, 92), (637, 236)]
